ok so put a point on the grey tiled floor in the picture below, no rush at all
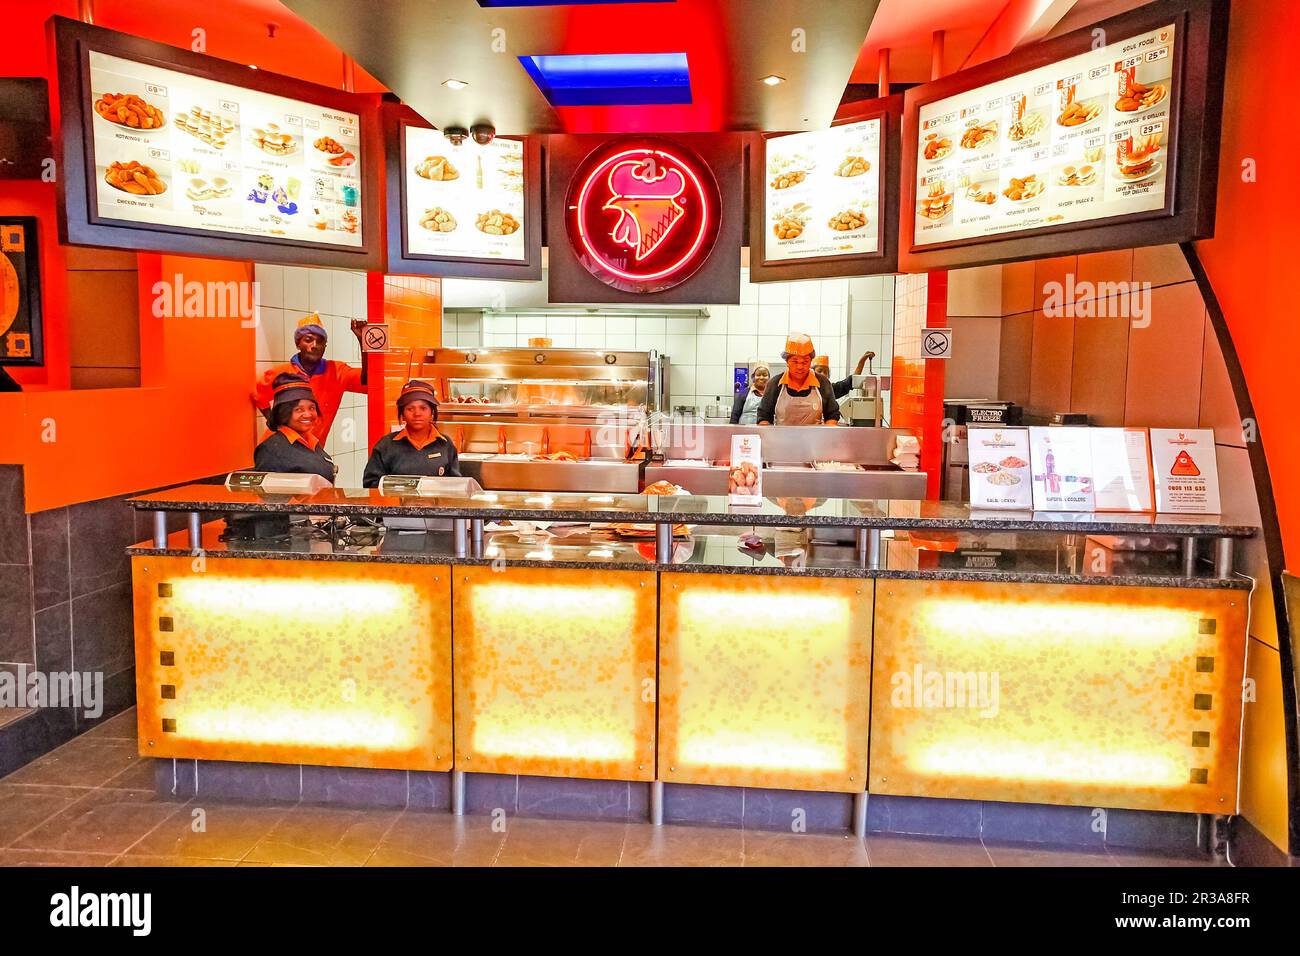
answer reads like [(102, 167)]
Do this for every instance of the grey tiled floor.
[(91, 803)]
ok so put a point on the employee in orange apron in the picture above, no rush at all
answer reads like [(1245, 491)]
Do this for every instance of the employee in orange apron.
[(797, 396), (329, 379), (419, 448), (291, 445)]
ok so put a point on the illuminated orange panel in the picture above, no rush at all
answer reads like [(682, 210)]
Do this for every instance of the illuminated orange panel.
[(1068, 694), (764, 681), (555, 672), (317, 662)]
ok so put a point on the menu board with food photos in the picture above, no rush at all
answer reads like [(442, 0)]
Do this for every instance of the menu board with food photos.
[(999, 467), (185, 152), (463, 201), (822, 194), (1083, 139)]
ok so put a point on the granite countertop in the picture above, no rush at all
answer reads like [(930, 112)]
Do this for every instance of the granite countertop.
[(713, 510), (697, 553)]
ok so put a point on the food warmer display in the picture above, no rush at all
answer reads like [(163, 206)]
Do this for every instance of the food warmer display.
[(541, 419), (811, 461)]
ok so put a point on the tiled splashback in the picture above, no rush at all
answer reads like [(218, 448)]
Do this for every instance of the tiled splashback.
[(844, 317), (285, 295)]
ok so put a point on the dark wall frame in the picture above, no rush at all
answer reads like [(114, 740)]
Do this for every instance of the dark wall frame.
[(396, 118), (884, 261), (715, 282), (1196, 107), (78, 223), (29, 278)]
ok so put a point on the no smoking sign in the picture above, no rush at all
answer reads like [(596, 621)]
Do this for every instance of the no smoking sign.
[(375, 337), (936, 343)]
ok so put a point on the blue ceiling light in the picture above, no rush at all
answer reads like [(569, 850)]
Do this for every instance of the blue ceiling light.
[(611, 79)]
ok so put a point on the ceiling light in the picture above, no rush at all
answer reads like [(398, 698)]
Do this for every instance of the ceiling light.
[(252, 66), (772, 79), (454, 84)]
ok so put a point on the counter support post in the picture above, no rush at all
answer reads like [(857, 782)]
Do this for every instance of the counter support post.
[(1223, 558), (873, 548), (476, 537), (863, 545), (664, 543), (458, 792), (656, 803), (160, 529), (1189, 557), (196, 530), (860, 815), (460, 536)]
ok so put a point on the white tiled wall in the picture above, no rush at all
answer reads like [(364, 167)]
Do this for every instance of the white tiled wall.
[(285, 295), (844, 317)]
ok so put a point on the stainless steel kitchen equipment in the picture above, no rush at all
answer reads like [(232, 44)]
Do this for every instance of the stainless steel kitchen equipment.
[(811, 461), (862, 406)]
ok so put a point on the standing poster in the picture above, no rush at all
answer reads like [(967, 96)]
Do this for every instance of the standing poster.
[(20, 293), (999, 468), (1186, 471), (745, 477), (1121, 469), (1061, 459)]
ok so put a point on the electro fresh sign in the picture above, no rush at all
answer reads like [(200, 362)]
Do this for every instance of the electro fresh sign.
[(642, 217)]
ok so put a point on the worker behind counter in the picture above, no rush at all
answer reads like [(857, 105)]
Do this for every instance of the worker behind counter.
[(418, 448), (744, 410), (329, 379), (291, 446), (797, 396), (822, 366)]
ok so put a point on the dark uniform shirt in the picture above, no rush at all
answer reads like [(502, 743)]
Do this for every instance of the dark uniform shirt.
[(396, 454), (284, 450), (767, 408), (842, 387)]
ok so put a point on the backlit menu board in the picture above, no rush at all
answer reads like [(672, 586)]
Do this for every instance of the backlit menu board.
[(184, 152), (822, 193), (463, 201), (1083, 139)]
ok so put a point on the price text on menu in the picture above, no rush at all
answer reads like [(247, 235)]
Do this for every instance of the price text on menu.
[(822, 193), (1079, 140), (186, 152)]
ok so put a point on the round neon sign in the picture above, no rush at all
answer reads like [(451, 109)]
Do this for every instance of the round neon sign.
[(642, 216)]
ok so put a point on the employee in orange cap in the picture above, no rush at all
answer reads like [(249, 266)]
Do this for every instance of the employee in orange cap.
[(797, 396), (329, 379), (419, 448), (822, 366), (291, 445)]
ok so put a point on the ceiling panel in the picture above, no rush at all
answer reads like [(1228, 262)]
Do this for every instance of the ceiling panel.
[(412, 46)]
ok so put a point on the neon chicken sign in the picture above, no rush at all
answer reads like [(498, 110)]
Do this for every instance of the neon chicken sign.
[(643, 217)]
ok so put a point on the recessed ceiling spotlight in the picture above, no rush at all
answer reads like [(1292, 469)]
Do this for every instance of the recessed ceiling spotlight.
[(773, 80), (252, 66), (454, 84)]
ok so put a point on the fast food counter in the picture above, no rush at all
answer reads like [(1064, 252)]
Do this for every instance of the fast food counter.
[(640, 641)]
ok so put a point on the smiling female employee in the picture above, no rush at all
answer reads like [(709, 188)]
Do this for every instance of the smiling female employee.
[(798, 396), (291, 446), (418, 449)]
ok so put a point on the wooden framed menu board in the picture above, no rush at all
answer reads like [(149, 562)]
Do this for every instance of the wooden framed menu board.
[(824, 203), (173, 151), (1104, 138), (461, 209)]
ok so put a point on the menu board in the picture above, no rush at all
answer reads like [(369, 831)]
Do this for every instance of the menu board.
[(999, 468), (1186, 470), (180, 151), (1061, 460), (822, 193), (1121, 469), (463, 201), (1083, 139)]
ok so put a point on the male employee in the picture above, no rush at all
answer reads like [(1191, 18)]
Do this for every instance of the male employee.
[(329, 379), (822, 366)]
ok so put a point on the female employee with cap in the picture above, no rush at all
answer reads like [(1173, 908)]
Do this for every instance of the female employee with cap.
[(744, 410), (419, 448), (291, 446), (329, 379), (798, 396)]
